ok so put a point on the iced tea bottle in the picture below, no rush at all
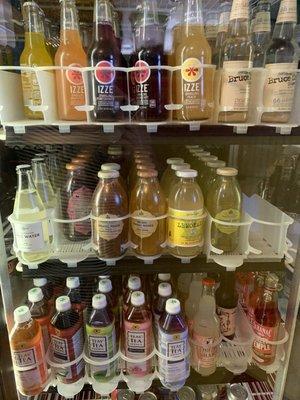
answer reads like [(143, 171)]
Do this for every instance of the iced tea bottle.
[(147, 208), (28, 353), (164, 293), (35, 54), (134, 285), (115, 167), (109, 203), (74, 293), (193, 83), (41, 312), (105, 287), (47, 289), (66, 332), (186, 216), (168, 172), (224, 203), (138, 336), (69, 83)]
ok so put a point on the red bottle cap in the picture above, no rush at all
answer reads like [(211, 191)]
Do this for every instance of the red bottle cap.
[(208, 282)]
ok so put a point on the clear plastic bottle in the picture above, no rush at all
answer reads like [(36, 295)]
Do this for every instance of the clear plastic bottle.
[(147, 203), (164, 293), (168, 173), (105, 287), (109, 202), (74, 293), (134, 285), (46, 287), (186, 216), (173, 343), (31, 228)]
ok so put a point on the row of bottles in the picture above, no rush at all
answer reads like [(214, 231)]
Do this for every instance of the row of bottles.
[(140, 212), (192, 86), (140, 321)]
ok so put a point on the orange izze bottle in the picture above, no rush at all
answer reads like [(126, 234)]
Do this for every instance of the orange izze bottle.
[(69, 83)]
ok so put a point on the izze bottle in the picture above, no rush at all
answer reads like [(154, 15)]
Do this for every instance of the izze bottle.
[(149, 87), (108, 90)]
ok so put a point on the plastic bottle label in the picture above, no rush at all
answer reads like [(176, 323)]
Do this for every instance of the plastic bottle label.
[(229, 215), (186, 228), (224, 22), (101, 346), (109, 230), (31, 89), (29, 237), (227, 318), (143, 228), (279, 86), (235, 85), (239, 9), (262, 22), (192, 73), (174, 346), (287, 11), (79, 206), (139, 344), (264, 351), (205, 350)]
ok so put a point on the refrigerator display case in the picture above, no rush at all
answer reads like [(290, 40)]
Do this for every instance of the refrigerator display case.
[(56, 241)]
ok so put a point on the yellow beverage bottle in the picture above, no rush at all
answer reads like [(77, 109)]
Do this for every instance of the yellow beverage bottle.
[(70, 87), (168, 173), (35, 54), (210, 174), (173, 179)]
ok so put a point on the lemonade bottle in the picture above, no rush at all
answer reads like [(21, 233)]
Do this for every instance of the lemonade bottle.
[(174, 178), (186, 216), (224, 203), (210, 174), (168, 173), (35, 54), (31, 231), (69, 83)]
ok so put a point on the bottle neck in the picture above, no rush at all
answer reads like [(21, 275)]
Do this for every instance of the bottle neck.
[(186, 181), (103, 26), (284, 30), (68, 20), (39, 172), (25, 181), (238, 27)]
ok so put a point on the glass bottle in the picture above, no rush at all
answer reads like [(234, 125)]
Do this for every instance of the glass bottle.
[(210, 174), (237, 56), (174, 179), (149, 87), (225, 8), (69, 83), (35, 54), (168, 172), (193, 83), (261, 32), (281, 63), (115, 167), (48, 38), (108, 89), (194, 296), (255, 296), (109, 202), (147, 208), (211, 28), (174, 20), (185, 221), (224, 204), (31, 229)]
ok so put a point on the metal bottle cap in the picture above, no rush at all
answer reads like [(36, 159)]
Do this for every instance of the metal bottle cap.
[(186, 393), (147, 396), (237, 392)]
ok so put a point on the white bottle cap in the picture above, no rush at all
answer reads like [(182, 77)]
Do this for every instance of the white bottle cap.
[(134, 283), (40, 282), (104, 276), (192, 146), (227, 171), (108, 174), (216, 164), (63, 303), (175, 160), (187, 173), (164, 289), (114, 151), (23, 166), (99, 301), (22, 314), (137, 299), (206, 159), (73, 282), (164, 277), (179, 167), (173, 306), (200, 153), (105, 286), (35, 295), (110, 167)]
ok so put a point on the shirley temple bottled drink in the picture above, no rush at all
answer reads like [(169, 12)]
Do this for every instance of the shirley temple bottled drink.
[(109, 210), (148, 208), (69, 83), (108, 91), (173, 343), (281, 62), (149, 87), (28, 353), (255, 296)]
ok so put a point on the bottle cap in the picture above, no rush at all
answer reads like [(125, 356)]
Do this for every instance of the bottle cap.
[(110, 167), (114, 151), (175, 160), (164, 277), (200, 153), (23, 167), (206, 159), (193, 146), (208, 282), (74, 167), (73, 282), (63, 303), (104, 276), (37, 160), (137, 299), (164, 289), (134, 283), (173, 306), (108, 174), (147, 173), (40, 282), (237, 392), (227, 171), (187, 173), (179, 167), (22, 314), (35, 295), (99, 301), (105, 286), (216, 164)]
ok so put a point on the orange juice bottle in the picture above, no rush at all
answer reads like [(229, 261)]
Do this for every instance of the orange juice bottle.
[(35, 54), (28, 353), (69, 83)]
